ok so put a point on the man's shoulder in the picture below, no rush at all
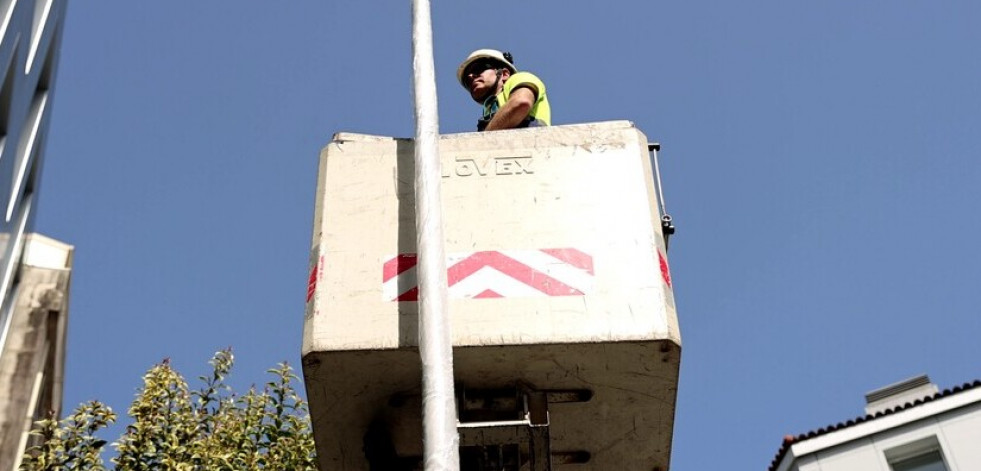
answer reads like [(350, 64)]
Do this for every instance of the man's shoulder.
[(525, 79), (524, 76)]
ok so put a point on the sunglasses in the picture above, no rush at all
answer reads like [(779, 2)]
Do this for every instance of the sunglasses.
[(478, 68)]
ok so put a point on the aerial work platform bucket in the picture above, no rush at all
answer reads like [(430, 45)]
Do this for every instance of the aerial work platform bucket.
[(559, 291)]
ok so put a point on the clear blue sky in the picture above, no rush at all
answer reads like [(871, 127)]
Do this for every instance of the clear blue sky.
[(821, 160)]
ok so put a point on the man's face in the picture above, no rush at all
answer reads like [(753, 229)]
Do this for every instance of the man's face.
[(480, 76)]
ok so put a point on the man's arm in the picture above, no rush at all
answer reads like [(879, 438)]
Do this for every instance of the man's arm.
[(514, 111)]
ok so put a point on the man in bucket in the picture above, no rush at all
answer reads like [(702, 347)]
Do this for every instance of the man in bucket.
[(510, 99)]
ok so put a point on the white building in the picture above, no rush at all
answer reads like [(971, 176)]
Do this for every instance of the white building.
[(34, 270), (908, 426)]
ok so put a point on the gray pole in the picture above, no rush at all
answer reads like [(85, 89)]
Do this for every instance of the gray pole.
[(440, 438)]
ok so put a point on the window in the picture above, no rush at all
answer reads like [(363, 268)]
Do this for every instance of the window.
[(924, 454), (931, 461)]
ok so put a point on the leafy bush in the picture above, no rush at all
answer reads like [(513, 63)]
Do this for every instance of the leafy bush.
[(178, 429)]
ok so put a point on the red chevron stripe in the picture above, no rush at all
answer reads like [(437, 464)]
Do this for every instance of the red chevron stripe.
[(410, 295), (665, 272), (487, 293), (312, 283), (573, 257), (397, 265), (512, 268)]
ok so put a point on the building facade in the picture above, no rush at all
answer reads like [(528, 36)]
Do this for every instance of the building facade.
[(908, 426), (34, 270)]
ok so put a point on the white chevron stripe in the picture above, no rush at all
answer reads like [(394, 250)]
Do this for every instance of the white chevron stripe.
[(489, 278), (390, 288), (560, 270)]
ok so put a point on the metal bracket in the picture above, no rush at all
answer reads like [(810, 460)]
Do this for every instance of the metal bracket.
[(509, 429), (667, 227)]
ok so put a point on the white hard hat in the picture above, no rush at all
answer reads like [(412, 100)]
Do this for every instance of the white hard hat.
[(479, 54)]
